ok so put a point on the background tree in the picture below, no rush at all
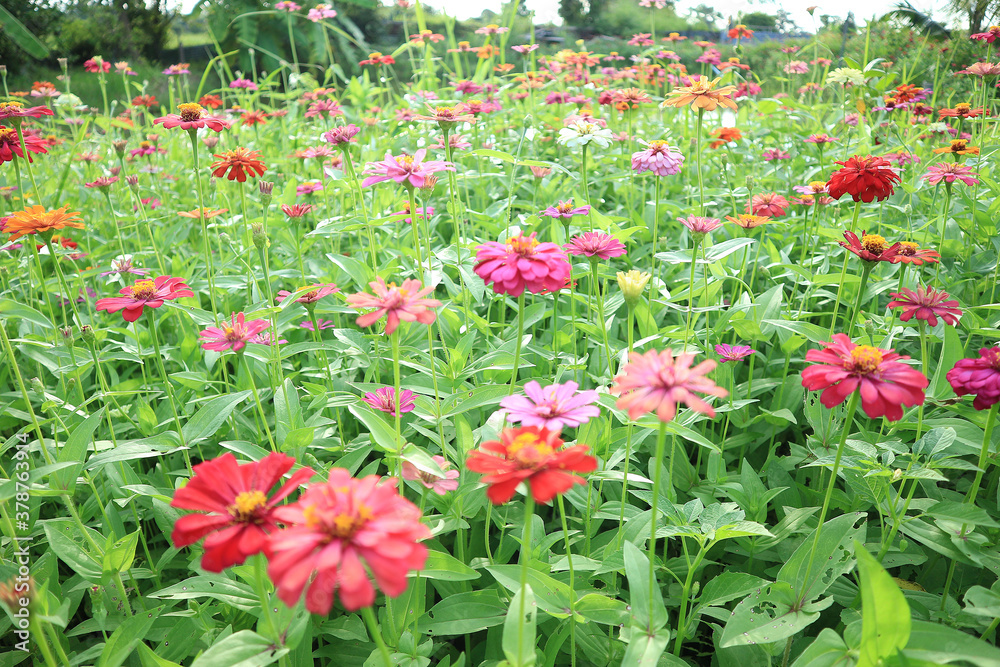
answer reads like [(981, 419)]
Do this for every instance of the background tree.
[(705, 14), (978, 12), (761, 20)]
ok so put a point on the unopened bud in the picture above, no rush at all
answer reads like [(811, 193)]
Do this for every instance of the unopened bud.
[(153, 138), (63, 63), (115, 171), (87, 334), (896, 474), (70, 384), (870, 328), (259, 236), (750, 182), (266, 188), (224, 237), (67, 333), (211, 141), (133, 182), (3, 70), (38, 387), (119, 146)]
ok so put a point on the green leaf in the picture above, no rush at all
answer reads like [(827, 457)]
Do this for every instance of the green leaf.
[(771, 614), (637, 573), (381, 433), (983, 602), (828, 650), (445, 567), (243, 649), (519, 631), (150, 659), (464, 613), (645, 650), (10, 308), (288, 413), (126, 637), (729, 586), (21, 36), (75, 450), (939, 645), (211, 415), (215, 586), (885, 614), (834, 557), (963, 513), (71, 553), (552, 596), (119, 556), (602, 609)]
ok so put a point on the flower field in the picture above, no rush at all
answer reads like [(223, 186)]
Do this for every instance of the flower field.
[(532, 357)]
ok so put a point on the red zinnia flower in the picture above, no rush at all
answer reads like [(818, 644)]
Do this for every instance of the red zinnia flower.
[(926, 304), (530, 454), (864, 178), (10, 145), (145, 293), (210, 101), (296, 210), (522, 263), (911, 253), (17, 110), (334, 530), (871, 247), (251, 118), (978, 376), (238, 162), (192, 117), (240, 514), (885, 383), (397, 303), (658, 381)]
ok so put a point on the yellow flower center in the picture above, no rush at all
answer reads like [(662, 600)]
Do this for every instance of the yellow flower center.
[(12, 105), (463, 45), (231, 333), (246, 504), (817, 186), (143, 289), (375, 56), (963, 106), (529, 450), (523, 245), (873, 243), (145, 144), (405, 160), (657, 144), (908, 248), (866, 358), (958, 145), (190, 111), (7, 135), (342, 526)]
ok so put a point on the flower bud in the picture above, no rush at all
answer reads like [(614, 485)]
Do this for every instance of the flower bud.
[(211, 141), (115, 171), (266, 188), (119, 146), (133, 182), (37, 387), (429, 183), (871, 329), (3, 70), (70, 384), (87, 334), (750, 182), (224, 237), (63, 63), (67, 334), (631, 285), (259, 236)]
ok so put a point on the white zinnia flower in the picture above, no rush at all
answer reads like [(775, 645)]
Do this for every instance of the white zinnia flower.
[(583, 133)]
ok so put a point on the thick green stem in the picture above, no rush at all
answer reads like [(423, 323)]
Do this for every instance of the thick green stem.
[(657, 475)]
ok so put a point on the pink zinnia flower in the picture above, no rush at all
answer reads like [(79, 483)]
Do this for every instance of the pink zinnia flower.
[(335, 530), (554, 407), (796, 67), (522, 263), (885, 382), (978, 376), (950, 172), (659, 157), (266, 339), (320, 12), (246, 84), (595, 244), (320, 107), (307, 188), (341, 135), (820, 139), (769, 204), (145, 294), (926, 304), (405, 302), (658, 381), (287, 6), (323, 324), (436, 483), (240, 515), (728, 352), (384, 399), (314, 294), (775, 154), (565, 209), (408, 169), (234, 335), (192, 117), (700, 226)]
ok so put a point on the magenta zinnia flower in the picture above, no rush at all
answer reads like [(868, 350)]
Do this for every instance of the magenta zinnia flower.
[(926, 304), (384, 399), (314, 294), (145, 294), (659, 157), (565, 209), (234, 335), (405, 302), (728, 352), (522, 263), (950, 172), (409, 169), (337, 528), (595, 244), (436, 483), (323, 324), (658, 381), (554, 407), (341, 135), (978, 376), (885, 383)]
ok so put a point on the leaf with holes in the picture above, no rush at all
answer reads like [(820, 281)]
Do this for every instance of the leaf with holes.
[(833, 557), (771, 614)]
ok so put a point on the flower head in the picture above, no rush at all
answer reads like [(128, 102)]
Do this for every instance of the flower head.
[(411, 170), (700, 226), (768, 204), (17, 111), (631, 284), (728, 352), (595, 244), (701, 94), (238, 163), (926, 304), (336, 528), (884, 382), (121, 265), (145, 293), (233, 335), (323, 324), (36, 220), (342, 134), (748, 221), (239, 516), (405, 302), (312, 295), (10, 145), (911, 253), (846, 76), (522, 263), (864, 178), (384, 399), (658, 381), (554, 407), (958, 147), (950, 172), (870, 247), (436, 483), (583, 133), (725, 135), (775, 154), (980, 377), (565, 209), (192, 116), (659, 157), (533, 455)]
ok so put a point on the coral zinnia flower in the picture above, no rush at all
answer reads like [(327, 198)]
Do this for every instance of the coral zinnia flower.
[(950, 172), (192, 117), (554, 407), (233, 335), (532, 455), (740, 31), (522, 263), (926, 304), (962, 110), (251, 118), (885, 383), (701, 95), (335, 529), (724, 135), (864, 178), (768, 204), (595, 244), (315, 293), (978, 376), (870, 247), (405, 302), (748, 221), (10, 144), (982, 69), (36, 220), (203, 213), (342, 134), (238, 162), (911, 253), (145, 293), (658, 381), (659, 157), (409, 169), (436, 483), (384, 399), (989, 36), (240, 515)]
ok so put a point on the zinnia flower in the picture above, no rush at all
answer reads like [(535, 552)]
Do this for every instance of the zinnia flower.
[(748, 221), (768, 204), (411, 170), (121, 265), (145, 294), (192, 117), (323, 324), (911, 253), (926, 304), (885, 383), (659, 157), (533, 455), (238, 162), (728, 352), (725, 135), (522, 262), (978, 376), (342, 134), (950, 172), (18, 111), (870, 247), (335, 529), (233, 335), (240, 515), (595, 244), (314, 294), (958, 147), (405, 302), (583, 133), (631, 284), (565, 209), (775, 154), (10, 145), (701, 94), (384, 399), (864, 178), (436, 483), (554, 407), (658, 381), (36, 220)]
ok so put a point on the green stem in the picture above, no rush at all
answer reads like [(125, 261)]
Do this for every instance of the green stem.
[(517, 342), (525, 558), (394, 340), (256, 400), (843, 271), (600, 313), (572, 587), (657, 475), (376, 633), (866, 270)]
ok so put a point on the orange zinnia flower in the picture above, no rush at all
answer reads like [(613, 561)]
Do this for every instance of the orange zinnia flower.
[(959, 147), (36, 220), (254, 118), (205, 212), (701, 95), (748, 221), (238, 162), (725, 135)]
